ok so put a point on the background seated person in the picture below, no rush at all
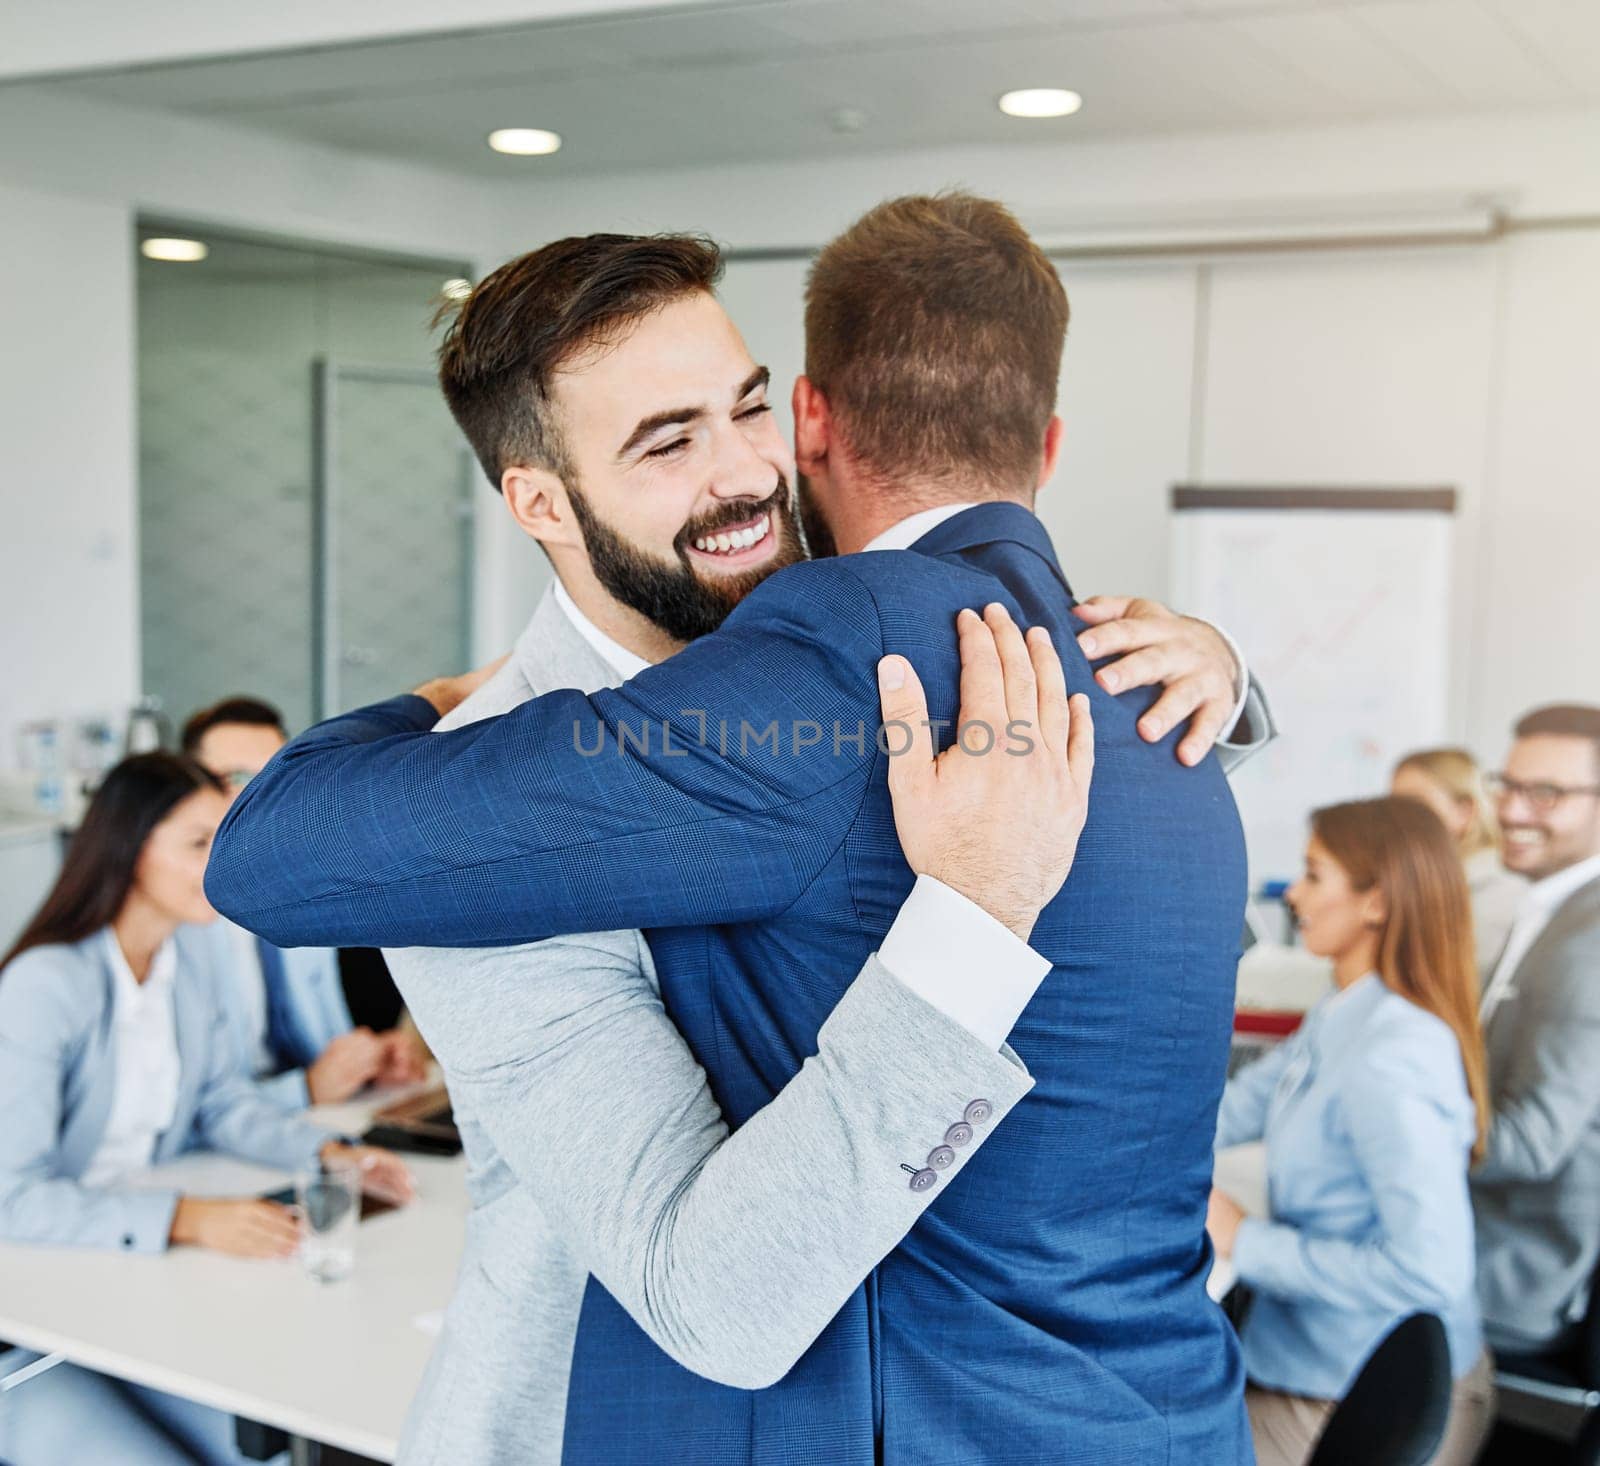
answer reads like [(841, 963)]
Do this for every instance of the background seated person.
[(288, 1015), (1371, 1113), (114, 1056), (1450, 783), (1537, 1194)]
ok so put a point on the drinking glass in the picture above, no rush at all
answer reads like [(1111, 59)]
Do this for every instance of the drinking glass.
[(330, 1205)]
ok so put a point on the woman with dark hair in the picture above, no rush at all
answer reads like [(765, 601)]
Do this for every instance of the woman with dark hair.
[(1372, 1113), (112, 1058)]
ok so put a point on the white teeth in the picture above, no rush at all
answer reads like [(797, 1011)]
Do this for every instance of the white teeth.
[(738, 539)]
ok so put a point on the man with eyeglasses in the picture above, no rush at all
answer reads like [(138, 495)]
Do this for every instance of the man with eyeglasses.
[(1536, 1194), (290, 1021)]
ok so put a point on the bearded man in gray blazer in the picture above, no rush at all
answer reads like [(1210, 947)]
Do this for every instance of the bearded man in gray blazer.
[(594, 1142), (1536, 1195)]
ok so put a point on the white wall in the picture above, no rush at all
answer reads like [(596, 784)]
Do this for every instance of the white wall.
[(1536, 615), (1539, 165), (1369, 368), (74, 177), (69, 622)]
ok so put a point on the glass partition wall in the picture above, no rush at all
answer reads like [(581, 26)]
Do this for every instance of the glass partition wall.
[(305, 500)]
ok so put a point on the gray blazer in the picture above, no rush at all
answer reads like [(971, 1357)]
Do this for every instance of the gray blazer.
[(57, 1078), (595, 1145), (1537, 1194)]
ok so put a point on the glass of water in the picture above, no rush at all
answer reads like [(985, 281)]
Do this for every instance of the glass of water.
[(330, 1206)]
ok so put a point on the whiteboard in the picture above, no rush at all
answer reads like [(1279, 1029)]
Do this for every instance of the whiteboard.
[(1340, 599)]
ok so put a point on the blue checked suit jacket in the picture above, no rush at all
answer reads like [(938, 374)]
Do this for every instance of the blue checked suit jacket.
[(1051, 1306)]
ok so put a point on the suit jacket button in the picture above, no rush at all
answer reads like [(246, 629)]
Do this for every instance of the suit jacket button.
[(958, 1134), (978, 1111), (924, 1180), (941, 1158)]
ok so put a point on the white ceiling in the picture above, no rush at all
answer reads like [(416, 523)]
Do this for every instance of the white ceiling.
[(763, 80)]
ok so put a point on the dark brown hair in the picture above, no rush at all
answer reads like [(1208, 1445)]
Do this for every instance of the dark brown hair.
[(250, 711), (98, 871), (934, 327), (1425, 950), (533, 313), (1563, 720)]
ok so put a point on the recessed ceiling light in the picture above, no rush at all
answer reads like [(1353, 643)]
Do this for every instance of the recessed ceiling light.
[(457, 289), (1040, 102), (524, 142), (183, 251)]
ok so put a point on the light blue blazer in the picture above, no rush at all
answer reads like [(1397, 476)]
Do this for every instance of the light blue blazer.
[(1369, 1130), (304, 1016), (57, 1078)]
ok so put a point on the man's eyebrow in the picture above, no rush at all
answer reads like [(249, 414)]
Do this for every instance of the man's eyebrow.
[(760, 377), (647, 425)]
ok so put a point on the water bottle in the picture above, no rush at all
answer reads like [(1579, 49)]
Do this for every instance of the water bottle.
[(147, 728)]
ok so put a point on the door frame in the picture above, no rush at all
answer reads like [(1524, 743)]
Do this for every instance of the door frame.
[(326, 374)]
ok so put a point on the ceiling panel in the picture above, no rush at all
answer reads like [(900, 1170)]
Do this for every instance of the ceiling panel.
[(1467, 50), (765, 79), (1564, 33)]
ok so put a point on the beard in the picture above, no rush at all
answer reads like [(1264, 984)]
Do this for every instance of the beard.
[(819, 538), (670, 593)]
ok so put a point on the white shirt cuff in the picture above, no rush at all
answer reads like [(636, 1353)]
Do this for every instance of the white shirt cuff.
[(1241, 684), (951, 953)]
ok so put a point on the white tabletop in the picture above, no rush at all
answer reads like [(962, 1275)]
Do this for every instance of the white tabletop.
[(335, 1362)]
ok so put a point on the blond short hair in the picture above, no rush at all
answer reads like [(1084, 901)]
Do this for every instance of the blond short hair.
[(1456, 772)]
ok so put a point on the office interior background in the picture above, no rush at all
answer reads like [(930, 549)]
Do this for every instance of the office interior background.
[(1312, 247)]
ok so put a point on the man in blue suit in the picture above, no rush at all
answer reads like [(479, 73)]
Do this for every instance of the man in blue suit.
[(1051, 1306), (286, 1010)]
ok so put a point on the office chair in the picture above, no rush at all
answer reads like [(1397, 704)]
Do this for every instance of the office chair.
[(1395, 1412), (1570, 1379)]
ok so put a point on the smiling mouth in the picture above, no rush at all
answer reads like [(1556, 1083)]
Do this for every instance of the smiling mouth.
[(739, 542)]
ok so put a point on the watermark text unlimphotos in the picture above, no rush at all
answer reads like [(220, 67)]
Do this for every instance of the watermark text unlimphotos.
[(793, 738)]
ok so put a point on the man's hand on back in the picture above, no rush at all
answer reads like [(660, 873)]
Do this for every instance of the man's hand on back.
[(998, 814), (448, 693), (1151, 645)]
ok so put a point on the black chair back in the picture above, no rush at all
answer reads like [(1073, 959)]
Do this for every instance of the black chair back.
[(1395, 1412), (1586, 1361)]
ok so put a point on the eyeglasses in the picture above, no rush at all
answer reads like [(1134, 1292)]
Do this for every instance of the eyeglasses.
[(237, 778), (1542, 798)]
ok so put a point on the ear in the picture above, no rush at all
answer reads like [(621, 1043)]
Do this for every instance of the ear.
[(813, 428), (1054, 433), (539, 503), (1375, 908)]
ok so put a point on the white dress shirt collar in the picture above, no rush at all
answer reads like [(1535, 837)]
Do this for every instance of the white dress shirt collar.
[(128, 988), (1552, 891), (616, 656), (904, 534)]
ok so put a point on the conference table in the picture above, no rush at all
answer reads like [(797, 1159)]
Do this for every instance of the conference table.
[(335, 1363)]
